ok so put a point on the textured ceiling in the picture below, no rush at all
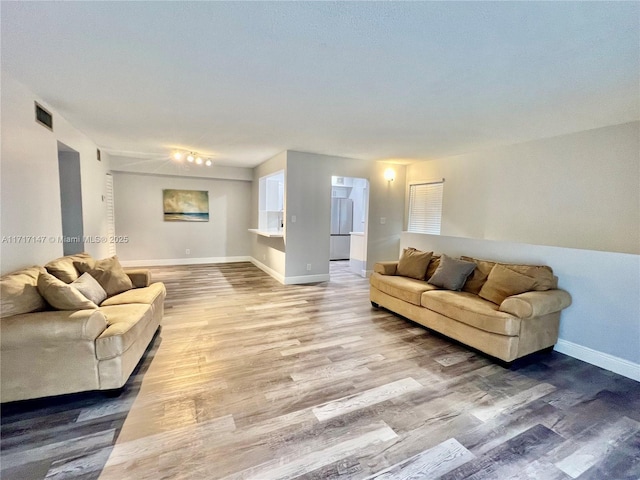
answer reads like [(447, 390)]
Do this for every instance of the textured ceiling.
[(406, 81)]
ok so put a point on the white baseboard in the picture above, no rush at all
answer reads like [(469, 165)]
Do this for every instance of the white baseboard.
[(322, 277), (290, 280), (268, 270), (603, 360), (182, 261)]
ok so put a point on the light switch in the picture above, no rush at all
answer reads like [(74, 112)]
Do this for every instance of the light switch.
[(383, 220), (293, 219)]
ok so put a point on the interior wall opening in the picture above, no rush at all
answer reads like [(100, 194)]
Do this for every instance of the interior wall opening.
[(70, 200)]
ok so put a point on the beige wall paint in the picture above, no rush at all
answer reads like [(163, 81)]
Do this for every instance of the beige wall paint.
[(30, 193), (579, 191), (151, 240)]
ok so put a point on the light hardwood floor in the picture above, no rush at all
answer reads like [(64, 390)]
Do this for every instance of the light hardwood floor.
[(252, 379)]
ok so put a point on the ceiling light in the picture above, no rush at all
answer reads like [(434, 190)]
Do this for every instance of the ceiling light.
[(192, 157)]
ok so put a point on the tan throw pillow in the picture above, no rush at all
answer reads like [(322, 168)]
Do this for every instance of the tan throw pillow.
[(90, 288), (109, 274), (413, 263), (433, 266), (63, 269), (504, 282), (19, 292), (478, 277), (62, 296), (451, 273)]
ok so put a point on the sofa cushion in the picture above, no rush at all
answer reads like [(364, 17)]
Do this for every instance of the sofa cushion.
[(478, 277), (451, 273), (90, 288), (125, 323), (62, 296), (146, 295), (403, 288), (543, 275), (19, 292), (472, 310), (109, 274), (433, 266), (504, 282), (63, 269), (413, 263)]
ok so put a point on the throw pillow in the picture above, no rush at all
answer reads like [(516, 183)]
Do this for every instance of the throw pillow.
[(62, 296), (451, 273), (478, 277), (109, 274), (63, 268), (504, 282), (90, 288), (413, 263)]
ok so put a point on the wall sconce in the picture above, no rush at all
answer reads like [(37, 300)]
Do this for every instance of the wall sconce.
[(192, 157), (389, 174)]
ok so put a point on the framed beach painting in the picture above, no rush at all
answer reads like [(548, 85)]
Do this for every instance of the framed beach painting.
[(185, 205)]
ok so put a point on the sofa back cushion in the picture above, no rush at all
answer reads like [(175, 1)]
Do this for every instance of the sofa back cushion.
[(543, 276), (19, 292), (479, 276), (413, 263), (63, 269)]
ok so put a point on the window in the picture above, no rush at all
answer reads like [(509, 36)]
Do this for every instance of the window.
[(425, 207)]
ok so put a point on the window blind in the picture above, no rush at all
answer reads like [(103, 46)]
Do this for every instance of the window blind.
[(111, 217), (425, 207)]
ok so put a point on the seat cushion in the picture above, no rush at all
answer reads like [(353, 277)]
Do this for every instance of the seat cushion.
[(125, 323), (146, 295), (472, 310), (19, 292), (403, 288)]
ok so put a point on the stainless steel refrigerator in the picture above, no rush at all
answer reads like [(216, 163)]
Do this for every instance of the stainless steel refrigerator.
[(341, 227)]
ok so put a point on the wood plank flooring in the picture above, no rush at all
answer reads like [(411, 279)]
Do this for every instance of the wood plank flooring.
[(250, 379)]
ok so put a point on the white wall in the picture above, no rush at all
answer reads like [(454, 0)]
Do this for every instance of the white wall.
[(602, 326), (152, 241), (578, 191), (308, 197), (267, 253), (30, 191)]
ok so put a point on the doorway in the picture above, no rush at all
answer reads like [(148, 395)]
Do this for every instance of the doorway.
[(70, 200), (348, 235)]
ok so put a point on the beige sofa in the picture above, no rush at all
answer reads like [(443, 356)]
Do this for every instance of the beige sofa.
[(47, 352), (513, 327)]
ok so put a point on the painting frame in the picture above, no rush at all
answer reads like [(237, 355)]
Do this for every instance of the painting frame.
[(185, 205)]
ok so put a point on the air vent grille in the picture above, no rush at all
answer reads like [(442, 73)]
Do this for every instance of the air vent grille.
[(44, 117)]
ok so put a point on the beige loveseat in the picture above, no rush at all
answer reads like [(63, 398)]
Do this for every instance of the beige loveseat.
[(508, 326), (46, 351)]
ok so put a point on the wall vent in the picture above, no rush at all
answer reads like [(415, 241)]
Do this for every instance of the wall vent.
[(98, 156), (43, 116)]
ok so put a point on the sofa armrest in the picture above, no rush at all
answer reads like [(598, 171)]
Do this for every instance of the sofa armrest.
[(386, 268), (50, 327), (140, 277), (535, 304)]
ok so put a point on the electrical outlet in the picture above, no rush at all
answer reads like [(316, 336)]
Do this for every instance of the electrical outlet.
[(383, 220), (187, 251), (293, 219), (308, 267), (264, 257)]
